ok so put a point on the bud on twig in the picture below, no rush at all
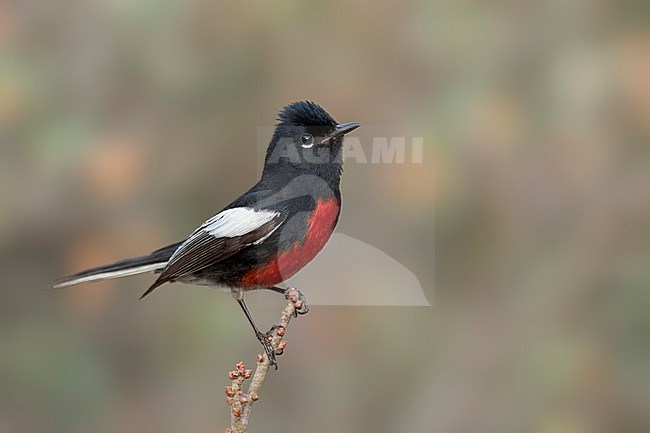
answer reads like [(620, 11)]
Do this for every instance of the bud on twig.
[(238, 398)]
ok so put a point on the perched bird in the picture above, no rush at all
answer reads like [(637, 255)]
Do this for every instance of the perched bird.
[(267, 234)]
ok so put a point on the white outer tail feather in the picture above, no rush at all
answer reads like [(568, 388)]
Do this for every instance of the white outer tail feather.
[(111, 274)]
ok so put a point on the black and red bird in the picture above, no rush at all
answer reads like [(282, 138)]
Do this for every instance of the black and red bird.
[(267, 234)]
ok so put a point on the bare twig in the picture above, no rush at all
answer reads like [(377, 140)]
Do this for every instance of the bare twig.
[(240, 401)]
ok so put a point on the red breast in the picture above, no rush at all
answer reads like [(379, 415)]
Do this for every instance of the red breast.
[(320, 226)]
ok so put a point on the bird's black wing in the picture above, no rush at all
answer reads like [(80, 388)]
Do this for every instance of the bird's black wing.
[(223, 235)]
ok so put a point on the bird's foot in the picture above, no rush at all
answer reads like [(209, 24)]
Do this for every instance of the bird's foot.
[(266, 339), (298, 299)]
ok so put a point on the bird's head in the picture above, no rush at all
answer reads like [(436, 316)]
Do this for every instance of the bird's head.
[(307, 138)]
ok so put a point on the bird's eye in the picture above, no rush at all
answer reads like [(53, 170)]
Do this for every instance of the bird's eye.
[(307, 141)]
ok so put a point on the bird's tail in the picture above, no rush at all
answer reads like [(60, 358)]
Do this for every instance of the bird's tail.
[(152, 262)]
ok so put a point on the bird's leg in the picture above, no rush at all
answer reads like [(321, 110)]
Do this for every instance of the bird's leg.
[(295, 296), (264, 338)]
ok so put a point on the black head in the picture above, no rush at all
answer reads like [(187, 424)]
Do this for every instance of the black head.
[(305, 113), (307, 139)]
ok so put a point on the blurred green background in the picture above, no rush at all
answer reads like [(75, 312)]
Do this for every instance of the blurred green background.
[(125, 124)]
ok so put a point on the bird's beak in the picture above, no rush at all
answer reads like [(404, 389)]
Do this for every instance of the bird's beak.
[(340, 131)]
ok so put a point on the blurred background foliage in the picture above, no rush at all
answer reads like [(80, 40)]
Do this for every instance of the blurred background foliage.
[(124, 124)]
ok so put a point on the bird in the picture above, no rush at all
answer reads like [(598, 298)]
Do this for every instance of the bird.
[(267, 234)]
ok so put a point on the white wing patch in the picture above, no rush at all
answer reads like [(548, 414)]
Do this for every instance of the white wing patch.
[(228, 224), (237, 222)]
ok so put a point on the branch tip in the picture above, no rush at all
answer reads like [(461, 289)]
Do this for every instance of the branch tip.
[(241, 401)]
